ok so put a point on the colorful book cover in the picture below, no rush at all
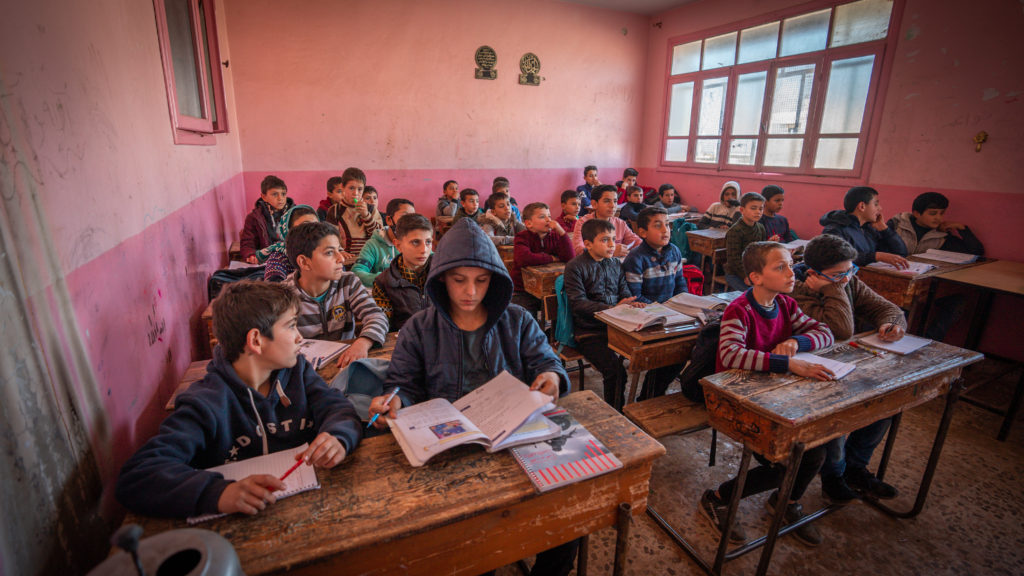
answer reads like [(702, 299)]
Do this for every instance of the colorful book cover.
[(573, 456)]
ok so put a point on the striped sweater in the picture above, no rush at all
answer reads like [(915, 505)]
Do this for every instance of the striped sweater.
[(750, 332), (334, 315), (654, 276)]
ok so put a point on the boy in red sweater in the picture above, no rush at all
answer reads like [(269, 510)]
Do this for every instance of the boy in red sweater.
[(544, 241)]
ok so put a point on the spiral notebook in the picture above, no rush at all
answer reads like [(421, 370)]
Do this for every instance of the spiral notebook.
[(575, 455), (276, 464)]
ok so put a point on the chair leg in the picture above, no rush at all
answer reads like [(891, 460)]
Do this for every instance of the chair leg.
[(579, 363)]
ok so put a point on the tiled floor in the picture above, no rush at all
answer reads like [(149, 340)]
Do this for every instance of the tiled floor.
[(973, 522)]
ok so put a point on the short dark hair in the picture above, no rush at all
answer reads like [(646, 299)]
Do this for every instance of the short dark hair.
[(629, 172), (770, 191), (666, 186), (646, 215), (303, 240), (369, 189), (568, 195), (247, 304), (929, 200), (351, 174), (591, 228), (750, 197), (333, 182), (826, 250), (271, 182), (394, 204), (755, 255), (445, 185), (498, 179), (299, 212), (602, 190), (498, 185), (588, 169), (411, 222), (493, 199), (856, 195), (467, 192), (532, 208), (631, 189)]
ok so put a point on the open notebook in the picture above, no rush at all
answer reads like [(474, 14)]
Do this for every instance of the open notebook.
[(838, 368), (905, 345), (276, 464), (633, 319)]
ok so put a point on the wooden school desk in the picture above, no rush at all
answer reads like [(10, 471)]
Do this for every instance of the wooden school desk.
[(507, 256), (707, 242), (235, 251), (539, 281), (465, 512), (781, 416), (688, 216)]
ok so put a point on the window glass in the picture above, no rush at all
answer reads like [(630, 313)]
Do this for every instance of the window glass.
[(743, 151), (861, 22), (183, 58), (712, 107), (836, 153), (675, 150), (759, 43), (791, 99), (720, 51), (746, 114), (847, 95), (783, 152), (679, 109), (805, 33), (686, 58), (707, 150)]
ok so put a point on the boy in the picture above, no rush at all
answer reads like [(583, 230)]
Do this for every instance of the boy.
[(502, 185), (633, 206), (498, 222), (260, 228), (399, 289), (335, 193), (667, 200), (925, 226), (776, 226), (468, 336), (827, 290), (594, 282), (259, 396), (761, 330), (370, 199), (352, 216), (448, 203), (745, 231), (723, 213), (276, 266), (654, 273), (378, 251), (861, 224), (469, 205), (570, 201), (331, 300), (604, 209), (542, 242), (629, 176), (586, 190)]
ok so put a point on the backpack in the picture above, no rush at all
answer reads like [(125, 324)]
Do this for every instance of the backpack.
[(563, 322), (226, 276), (702, 361), (694, 279), (679, 239)]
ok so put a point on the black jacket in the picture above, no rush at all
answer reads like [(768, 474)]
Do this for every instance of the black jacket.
[(592, 286)]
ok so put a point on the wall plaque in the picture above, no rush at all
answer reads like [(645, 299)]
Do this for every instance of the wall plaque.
[(529, 65), (486, 59)]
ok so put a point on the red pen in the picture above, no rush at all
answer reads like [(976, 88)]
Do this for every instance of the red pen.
[(292, 469)]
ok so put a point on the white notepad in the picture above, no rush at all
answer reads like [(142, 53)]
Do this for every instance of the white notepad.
[(904, 345), (839, 369), (276, 464)]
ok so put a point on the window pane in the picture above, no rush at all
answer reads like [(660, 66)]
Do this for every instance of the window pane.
[(759, 43), (675, 150), (720, 51), (836, 153), (742, 151), (783, 152), (209, 65), (712, 107), (848, 84), (186, 81), (861, 21), (686, 58), (679, 109), (791, 99), (746, 115), (805, 33), (707, 151)]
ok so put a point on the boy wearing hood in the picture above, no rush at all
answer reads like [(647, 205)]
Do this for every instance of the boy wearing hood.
[(259, 396), (723, 213), (470, 335), (260, 228), (274, 257), (861, 224)]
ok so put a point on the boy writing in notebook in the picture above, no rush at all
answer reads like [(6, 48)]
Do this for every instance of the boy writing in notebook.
[(469, 205), (746, 230), (776, 226), (398, 290), (448, 203), (498, 222), (570, 211), (330, 299), (378, 251), (542, 242), (861, 224), (259, 396), (586, 190), (827, 289), (260, 228), (352, 216), (604, 209), (761, 330), (470, 335)]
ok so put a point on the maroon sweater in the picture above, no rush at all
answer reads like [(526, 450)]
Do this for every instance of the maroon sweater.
[(530, 250)]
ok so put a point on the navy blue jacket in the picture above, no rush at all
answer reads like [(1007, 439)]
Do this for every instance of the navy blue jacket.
[(213, 423), (864, 239), (427, 361)]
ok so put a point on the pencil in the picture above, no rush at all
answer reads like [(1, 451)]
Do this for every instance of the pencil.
[(865, 348), (292, 469)]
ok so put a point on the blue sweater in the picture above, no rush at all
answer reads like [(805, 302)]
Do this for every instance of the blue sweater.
[(652, 276), (777, 224)]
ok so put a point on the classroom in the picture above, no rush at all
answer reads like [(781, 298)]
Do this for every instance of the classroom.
[(117, 208)]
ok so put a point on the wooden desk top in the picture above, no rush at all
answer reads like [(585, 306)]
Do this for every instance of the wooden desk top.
[(539, 281), (376, 513), (771, 411), (711, 233), (940, 268), (999, 275), (688, 216)]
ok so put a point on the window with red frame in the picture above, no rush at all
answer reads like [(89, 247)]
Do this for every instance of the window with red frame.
[(191, 61), (795, 95)]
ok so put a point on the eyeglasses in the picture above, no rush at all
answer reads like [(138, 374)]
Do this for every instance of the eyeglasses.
[(839, 277)]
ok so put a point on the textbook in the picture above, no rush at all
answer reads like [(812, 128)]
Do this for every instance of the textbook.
[(320, 352), (838, 368), (903, 346), (502, 413), (697, 306), (276, 464), (795, 245), (913, 268), (573, 456), (633, 319), (947, 256)]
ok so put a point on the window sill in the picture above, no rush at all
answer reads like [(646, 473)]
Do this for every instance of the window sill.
[(828, 180)]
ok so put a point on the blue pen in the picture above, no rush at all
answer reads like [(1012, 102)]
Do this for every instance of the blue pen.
[(386, 403)]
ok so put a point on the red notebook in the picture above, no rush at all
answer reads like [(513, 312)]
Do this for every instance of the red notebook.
[(573, 456)]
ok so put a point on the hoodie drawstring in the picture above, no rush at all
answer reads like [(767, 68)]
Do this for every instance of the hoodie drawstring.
[(263, 431)]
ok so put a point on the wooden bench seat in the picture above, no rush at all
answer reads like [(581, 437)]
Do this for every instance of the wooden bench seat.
[(196, 371), (667, 415)]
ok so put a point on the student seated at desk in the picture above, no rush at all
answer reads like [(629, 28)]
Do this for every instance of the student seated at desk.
[(274, 256), (498, 221), (776, 226), (593, 281), (860, 223), (335, 193), (667, 200), (330, 299), (723, 213), (260, 228), (654, 273), (570, 211), (501, 185), (827, 290), (469, 205), (448, 203), (352, 216), (378, 251), (747, 230), (629, 176), (586, 190), (370, 199), (542, 242), (470, 335), (761, 330), (604, 209), (633, 206), (399, 289), (257, 397)]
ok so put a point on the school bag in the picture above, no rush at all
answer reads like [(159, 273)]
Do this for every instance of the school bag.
[(563, 321), (694, 279), (702, 361), (226, 276), (679, 239)]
